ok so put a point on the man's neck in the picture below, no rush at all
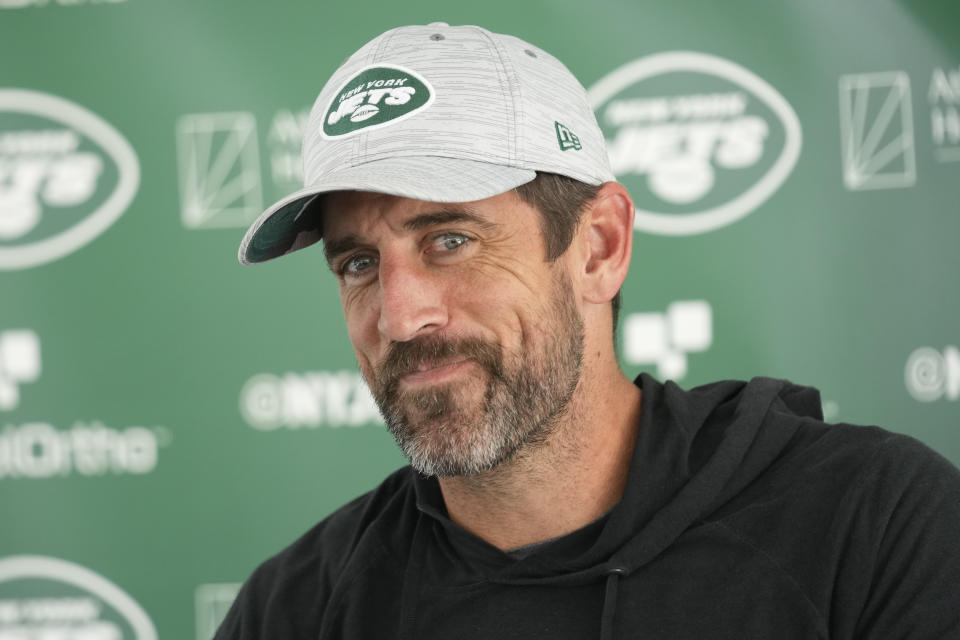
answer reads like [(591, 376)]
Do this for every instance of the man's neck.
[(563, 484)]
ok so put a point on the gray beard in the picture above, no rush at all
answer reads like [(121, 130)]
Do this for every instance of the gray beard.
[(525, 396)]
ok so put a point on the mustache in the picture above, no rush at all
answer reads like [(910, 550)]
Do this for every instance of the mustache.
[(407, 357)]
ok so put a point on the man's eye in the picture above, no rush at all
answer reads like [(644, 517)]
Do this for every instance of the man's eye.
[(357, 265), (450, 241)]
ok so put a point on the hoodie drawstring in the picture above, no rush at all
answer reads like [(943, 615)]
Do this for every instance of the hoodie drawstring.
[(610, 603)]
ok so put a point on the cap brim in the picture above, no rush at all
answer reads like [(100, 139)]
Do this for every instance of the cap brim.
[(292, 223)]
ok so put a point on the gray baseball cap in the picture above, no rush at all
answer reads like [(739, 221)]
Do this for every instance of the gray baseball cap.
[(436, 113)]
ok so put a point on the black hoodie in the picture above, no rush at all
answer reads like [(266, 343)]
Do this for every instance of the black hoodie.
[(744, 516)]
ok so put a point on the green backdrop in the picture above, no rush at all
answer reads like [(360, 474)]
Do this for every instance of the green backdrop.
[(169, 418)]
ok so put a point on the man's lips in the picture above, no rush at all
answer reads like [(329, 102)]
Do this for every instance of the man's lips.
[(435, 371)]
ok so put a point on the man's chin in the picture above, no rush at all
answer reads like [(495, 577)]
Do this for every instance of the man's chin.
[(447, 446), (448, 403)]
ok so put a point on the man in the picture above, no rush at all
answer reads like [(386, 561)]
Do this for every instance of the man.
[(460, 185)]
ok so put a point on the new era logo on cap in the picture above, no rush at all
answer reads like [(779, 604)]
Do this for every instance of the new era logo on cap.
[(566, 138), (376, 96)]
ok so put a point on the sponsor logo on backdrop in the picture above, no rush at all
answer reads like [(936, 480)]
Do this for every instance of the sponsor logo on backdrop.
[(700, 141), (876, 131), (19, 364), (219, 170), (20, 4), (665, 339), (944, 100), (66, 175), (283, 144), (877, 135), (48, 598), (307, 400), (36, 449), (39, 450), (212, 601), (219, 167), (932, 374)]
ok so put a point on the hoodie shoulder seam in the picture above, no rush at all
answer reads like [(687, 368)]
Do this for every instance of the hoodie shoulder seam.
[(822, 623)]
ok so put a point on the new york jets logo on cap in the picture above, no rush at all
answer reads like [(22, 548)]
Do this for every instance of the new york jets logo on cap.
[(377, 96)]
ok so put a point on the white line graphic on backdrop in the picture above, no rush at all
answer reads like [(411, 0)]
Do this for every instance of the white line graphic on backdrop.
[(876, 131), (19, 363), (219, 170)]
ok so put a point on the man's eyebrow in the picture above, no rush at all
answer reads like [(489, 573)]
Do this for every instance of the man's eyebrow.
[(447, 216), (338, 247), (334, 248)]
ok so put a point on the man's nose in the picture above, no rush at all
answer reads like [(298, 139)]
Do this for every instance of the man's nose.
[(411, 300)]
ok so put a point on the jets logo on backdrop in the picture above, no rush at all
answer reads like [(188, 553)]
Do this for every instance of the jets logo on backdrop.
[(377, 96), (65, 177), (42, 597), (700, 141)]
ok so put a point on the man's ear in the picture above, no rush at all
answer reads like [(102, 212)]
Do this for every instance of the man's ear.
[(605, 236)]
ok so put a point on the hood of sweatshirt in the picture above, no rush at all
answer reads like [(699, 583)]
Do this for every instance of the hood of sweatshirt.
[(695, 450)]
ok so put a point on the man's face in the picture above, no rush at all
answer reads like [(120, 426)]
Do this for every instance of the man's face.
[(471, 343)]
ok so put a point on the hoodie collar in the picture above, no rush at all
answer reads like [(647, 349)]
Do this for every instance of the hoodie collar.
[(694, 451)]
